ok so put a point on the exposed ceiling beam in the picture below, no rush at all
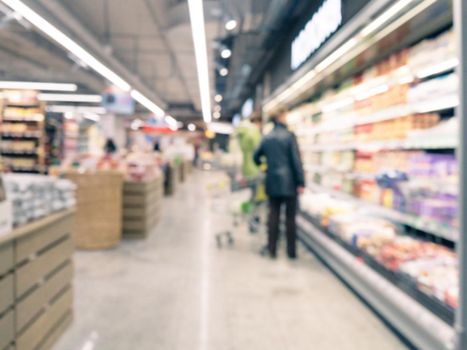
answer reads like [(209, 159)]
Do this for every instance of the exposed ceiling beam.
[(70, 23), (172, 54), (21, 47)]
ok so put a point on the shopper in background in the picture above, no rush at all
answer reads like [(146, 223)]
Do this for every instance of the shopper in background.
[(248, 134), (110, 147), (284, 181)]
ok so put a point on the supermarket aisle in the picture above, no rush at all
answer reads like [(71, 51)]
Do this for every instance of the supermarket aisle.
[(176, 291)]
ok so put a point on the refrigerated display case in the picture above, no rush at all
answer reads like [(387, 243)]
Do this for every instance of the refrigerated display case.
[(377, 116)]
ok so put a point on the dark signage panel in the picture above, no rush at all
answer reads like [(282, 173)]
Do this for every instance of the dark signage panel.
[(282, 64)]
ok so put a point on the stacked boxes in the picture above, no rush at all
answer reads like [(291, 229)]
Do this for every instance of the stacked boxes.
[(142, 206)]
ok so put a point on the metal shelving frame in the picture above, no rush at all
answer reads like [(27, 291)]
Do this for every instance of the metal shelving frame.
[(460, 24)]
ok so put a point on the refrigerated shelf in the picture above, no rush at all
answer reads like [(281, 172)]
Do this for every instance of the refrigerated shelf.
[(418, 324)]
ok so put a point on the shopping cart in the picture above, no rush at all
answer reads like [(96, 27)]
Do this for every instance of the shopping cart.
[(244, 200)]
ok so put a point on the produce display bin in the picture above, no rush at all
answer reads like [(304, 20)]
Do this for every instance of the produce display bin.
[(171, 180), (142, 207), (99, 209), (36, 293)]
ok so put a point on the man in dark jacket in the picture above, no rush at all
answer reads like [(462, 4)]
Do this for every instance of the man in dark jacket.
[(284, 181)]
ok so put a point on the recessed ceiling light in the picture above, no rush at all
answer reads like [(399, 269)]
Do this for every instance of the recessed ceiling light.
[(216, 115), (201, 54), (226, 53), (192, 127), (218, 98), (224, 72), (231, 25)]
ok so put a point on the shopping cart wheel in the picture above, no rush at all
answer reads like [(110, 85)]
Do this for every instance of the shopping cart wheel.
[(264, 251), (230, 239), (219, 240)]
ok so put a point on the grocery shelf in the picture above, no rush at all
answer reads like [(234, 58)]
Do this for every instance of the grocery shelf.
[(419, 325), (17, 152), (428, 144), (26, 135), (346, 173), (343, 122), (23, 120), (429, 226)]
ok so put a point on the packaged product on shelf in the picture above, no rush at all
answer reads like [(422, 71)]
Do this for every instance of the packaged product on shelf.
[(36, 196), (6, 215)]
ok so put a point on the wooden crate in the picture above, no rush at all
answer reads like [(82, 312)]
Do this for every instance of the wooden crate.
[(142, 206), (99, 209)]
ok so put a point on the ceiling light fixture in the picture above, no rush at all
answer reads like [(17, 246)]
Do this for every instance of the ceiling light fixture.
[(191, 127), (76, 109), (199, 40), (217, 108), (231, 25), (70, 98), (173, 124), (66, 42), (146, 102), (226, 53), (136, 124), (92, 117), (218, 98), (68, 115), (223, 72), (216, 115), (25, 85)]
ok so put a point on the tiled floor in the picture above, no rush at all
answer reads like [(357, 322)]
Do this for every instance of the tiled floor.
[(177, 291)]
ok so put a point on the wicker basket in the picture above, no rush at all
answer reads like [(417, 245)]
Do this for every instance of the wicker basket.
[(99, 209)]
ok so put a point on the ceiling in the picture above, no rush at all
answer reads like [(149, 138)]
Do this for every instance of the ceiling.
[(147, 42)]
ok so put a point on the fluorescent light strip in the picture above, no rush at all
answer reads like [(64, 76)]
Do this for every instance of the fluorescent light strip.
[(93, 117), (25, 85), (58, 36), (199, 41), (70, 98), (66, 42), (146, 102), (386, 16), (76, 109), (173, 124), (336, 54)]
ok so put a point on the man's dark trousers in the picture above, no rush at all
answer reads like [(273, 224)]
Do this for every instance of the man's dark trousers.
[(275, 204)]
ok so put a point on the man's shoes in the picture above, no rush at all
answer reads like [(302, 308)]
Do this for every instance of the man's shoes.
[(293, 256)]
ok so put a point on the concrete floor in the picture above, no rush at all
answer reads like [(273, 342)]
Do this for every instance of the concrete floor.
[(177, 291)]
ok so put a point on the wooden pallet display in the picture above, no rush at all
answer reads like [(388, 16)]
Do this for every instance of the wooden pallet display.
[(142, 207), (172, 179), (36, 288), (99, 209)]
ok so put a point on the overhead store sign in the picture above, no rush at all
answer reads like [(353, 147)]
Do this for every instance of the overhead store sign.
[(323, 24)]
